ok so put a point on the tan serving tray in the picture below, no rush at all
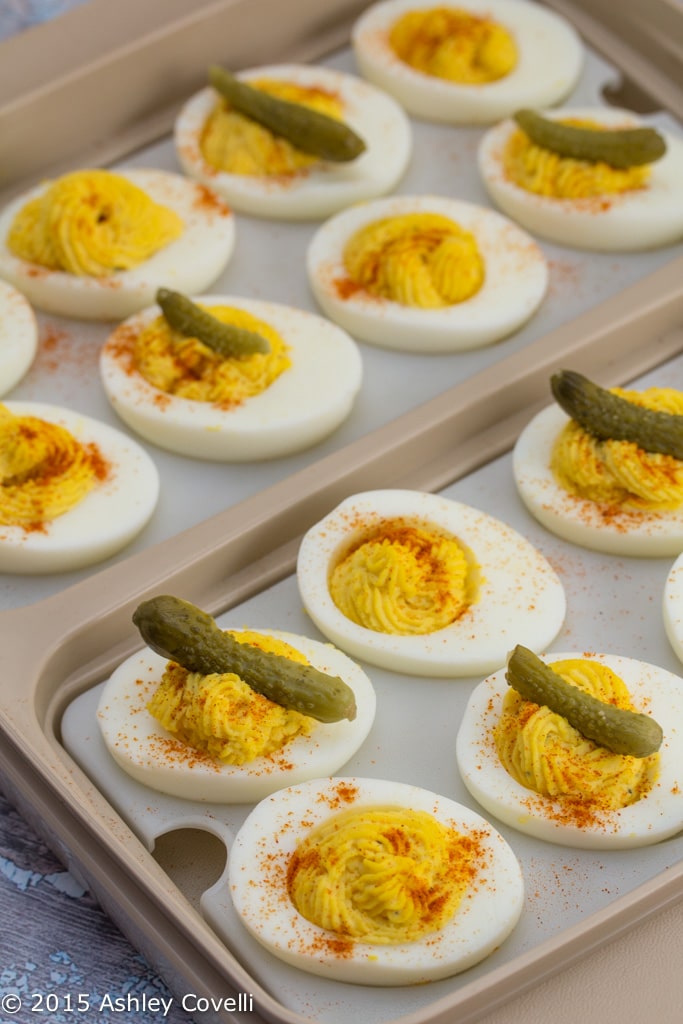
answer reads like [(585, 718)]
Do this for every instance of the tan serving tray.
[(236, 555)]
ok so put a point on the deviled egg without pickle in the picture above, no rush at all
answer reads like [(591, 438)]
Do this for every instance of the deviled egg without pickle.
[(97, 244), (18, 336), (317, 871), (73, 490), (418, 583), (426, 274), (467, 61)]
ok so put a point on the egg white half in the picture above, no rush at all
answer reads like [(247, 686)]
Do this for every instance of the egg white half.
[(515, 283), (304, 405), (672, 606), (327, 186), (107, 519), (257, 866), (641, 219), (583, 522), (656, 816), (145, 750), (550, 62), (18, 336), (189, 264), (519, 592)]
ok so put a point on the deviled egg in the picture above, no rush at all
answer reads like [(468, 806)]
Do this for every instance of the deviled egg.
[(182, 395), (73, 490), (18, 337), (529, 768), (211, 737), (418, 583), (264, 174), (317, 871), (587, 204), (97, 244), (467, 61), (426, 273), (604, 492)]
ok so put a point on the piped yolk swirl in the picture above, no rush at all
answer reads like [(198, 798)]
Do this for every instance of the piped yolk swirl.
[(92, 223), (44, 470), (403, 579), (382, 875), (454, 45), (417, 259)]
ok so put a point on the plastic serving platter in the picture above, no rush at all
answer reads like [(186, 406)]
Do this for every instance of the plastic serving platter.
[(443, 424)]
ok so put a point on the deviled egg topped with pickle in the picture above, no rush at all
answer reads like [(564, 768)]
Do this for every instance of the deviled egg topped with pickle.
[(603, 468), (228, 378), (290, 141), (229, 715), (582, 749), (591, 178)]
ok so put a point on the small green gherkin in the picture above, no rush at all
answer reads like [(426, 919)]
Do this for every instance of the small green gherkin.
[(607, 416), (192, 321), (309, 130), (618, 147), (181, 632), (616, 729)]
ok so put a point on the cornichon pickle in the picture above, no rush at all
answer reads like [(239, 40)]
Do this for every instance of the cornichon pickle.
[(608, 416), (189, 319), (189, 636), (309, 130), (618, 147), (619, 730)]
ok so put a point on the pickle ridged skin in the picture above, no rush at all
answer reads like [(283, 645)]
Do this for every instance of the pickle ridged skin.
[(185, 316), (616, 729), (309, 130), (608, 416), (181, 632), (618, 147)]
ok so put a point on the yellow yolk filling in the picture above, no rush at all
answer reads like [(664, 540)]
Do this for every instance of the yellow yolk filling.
[(44, 470), (404, 579), (416, 259), (220, 714), (188, 368), (455, 45), (619, 472), (540, 170), (92, 223), (543, 752), (382, 874), (235, 144)]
